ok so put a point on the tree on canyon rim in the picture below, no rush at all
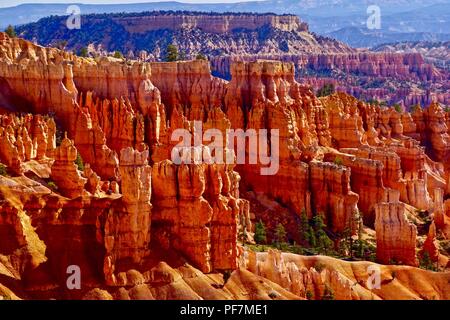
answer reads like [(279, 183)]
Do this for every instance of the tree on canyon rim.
[(326, 90), (172, 53), (10, 31), (83, 52), (201, 56), (118, 55)]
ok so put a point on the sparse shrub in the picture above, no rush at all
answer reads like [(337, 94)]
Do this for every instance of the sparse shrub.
[(3, 171), (328, 293), (52, 186), (326, 90), (415, 108), (79, 162), (83, 52), (201, 56), (118, 55), (397, 108), (309, 295), (319, 266), (339, 161), (426, 263)]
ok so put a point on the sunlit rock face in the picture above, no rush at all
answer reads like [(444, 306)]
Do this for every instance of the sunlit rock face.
[(89, 179)]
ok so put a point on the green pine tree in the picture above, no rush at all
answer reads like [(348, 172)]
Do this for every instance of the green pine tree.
[(323, 242), (326, 90), (83, 52), (280, 235), (201, 56), (397, 108), (312, 237), (11, 32), (304, 229), (172, 53), (79, 162), (118, 55), (260, 233)]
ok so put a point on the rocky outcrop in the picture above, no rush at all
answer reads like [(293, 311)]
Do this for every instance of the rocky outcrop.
[(212, 34), (396, 236), (65, 172), (26, 138), (311, 277), (214, 23), (431, 246), (197, 212), (331, 194), (307, 283), (127, 229), (132, 207), (413, 77), (437, 132)]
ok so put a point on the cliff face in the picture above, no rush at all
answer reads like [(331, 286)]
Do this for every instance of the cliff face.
[(213, 23), (147, 34), (390, 77), (131, 207)]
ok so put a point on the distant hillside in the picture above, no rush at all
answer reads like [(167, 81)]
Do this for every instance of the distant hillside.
[(323, 15), (211, 34), (364, 38), (437, 53)]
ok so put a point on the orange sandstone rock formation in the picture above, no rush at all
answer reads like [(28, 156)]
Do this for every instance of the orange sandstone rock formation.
[(132, 208), (396, 237)]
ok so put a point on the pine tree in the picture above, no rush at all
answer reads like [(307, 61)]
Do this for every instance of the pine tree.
[(323, 242), (304, 228), (312, 237), (172, 53), (11, 32), (260, 233), (280, 235), (79, 162), (201, 56), (398, 108), (326, 90), (83, 52), (118, 55), (318, 222)]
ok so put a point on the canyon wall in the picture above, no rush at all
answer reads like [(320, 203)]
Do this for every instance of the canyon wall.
[(214, 23), (126, 205)]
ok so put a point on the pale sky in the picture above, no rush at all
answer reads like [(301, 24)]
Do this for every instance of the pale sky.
[(11, 3)]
